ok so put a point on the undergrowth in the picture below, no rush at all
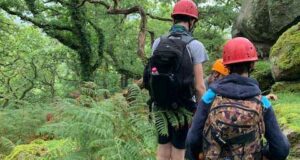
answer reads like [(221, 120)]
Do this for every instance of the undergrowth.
[(94, 126)]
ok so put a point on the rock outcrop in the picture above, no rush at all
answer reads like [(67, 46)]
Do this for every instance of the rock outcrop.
[(263, 21)]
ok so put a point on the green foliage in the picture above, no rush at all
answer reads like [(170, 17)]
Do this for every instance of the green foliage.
[(37, 73), (42, 150), (32, 65), (288, 115), (285, 55), (116, 128), (20, 125), (262, 73), (286, 87), (176, 118), (287, 110), (6, 145)]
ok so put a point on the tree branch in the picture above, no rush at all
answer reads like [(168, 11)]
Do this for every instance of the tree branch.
[(159, 18), (101, 40), (143, 24), (30, 80), (43, 25), (152, 35), (107, 6), (70, 42)]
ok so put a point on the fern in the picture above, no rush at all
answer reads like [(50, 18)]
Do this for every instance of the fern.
[(40, 149), (19, 125), (176, 118), (116, 128), (161, 122), (6, 145)]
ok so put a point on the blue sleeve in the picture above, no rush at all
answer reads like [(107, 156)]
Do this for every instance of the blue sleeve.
[(194, 137), (277, 143)]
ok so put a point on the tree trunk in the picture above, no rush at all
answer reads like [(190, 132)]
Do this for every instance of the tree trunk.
[(86, 68), (124, 81), (78, 16)]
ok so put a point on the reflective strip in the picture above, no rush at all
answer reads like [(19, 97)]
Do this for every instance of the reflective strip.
[(209, 96), (265, 102)]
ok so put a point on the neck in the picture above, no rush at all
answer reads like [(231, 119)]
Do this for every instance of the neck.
[(185, 25), (245, 74)]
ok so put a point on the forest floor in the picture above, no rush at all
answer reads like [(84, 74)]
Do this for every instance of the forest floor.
[(22, 130)]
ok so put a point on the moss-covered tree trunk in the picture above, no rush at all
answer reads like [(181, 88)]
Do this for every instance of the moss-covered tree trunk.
[(78, 17)]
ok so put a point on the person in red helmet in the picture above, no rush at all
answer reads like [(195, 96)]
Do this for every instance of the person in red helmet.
[(233, 117), (174, 76)]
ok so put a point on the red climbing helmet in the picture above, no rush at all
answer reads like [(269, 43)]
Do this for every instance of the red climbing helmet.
[(239, 50), (186, 7)]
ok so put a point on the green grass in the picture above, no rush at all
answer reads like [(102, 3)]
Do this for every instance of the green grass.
[(288, 115), (287, 109)]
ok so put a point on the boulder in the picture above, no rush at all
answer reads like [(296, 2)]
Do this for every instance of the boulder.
[(286, 87), (263, 21), (285, 56)]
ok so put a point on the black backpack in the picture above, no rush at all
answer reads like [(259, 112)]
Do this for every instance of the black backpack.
[(173, 85)]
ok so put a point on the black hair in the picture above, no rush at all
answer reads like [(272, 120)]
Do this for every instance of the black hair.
[(240, 68), (182, 18)]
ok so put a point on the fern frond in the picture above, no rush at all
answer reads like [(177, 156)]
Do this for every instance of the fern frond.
[(161, 123), (6, 145), (187, 114), (172, 117)]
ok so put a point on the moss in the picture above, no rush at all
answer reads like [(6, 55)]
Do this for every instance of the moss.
[(288, 111), (285, 54), (286, 87), (262, 73), (40, 149)]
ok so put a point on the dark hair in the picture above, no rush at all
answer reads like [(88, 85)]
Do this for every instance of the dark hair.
[(182, 18), (240, 68)]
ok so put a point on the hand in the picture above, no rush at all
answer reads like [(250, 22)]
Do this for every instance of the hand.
[(272, 97), (201, 156), (265, 158)]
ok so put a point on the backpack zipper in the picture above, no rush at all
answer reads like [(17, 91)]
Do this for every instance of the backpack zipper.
[(236, 106)]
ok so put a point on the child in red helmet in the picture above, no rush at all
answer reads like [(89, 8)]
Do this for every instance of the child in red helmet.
[(233, 117)]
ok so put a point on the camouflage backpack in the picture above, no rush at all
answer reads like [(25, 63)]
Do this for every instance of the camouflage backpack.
[(234, 129)]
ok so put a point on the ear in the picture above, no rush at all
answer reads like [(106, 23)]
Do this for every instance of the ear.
[(252, 65), (251, 69), (195, 20)]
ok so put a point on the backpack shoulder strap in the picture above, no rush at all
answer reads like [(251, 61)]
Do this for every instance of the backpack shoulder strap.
[(187, 38), (164, 37)]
